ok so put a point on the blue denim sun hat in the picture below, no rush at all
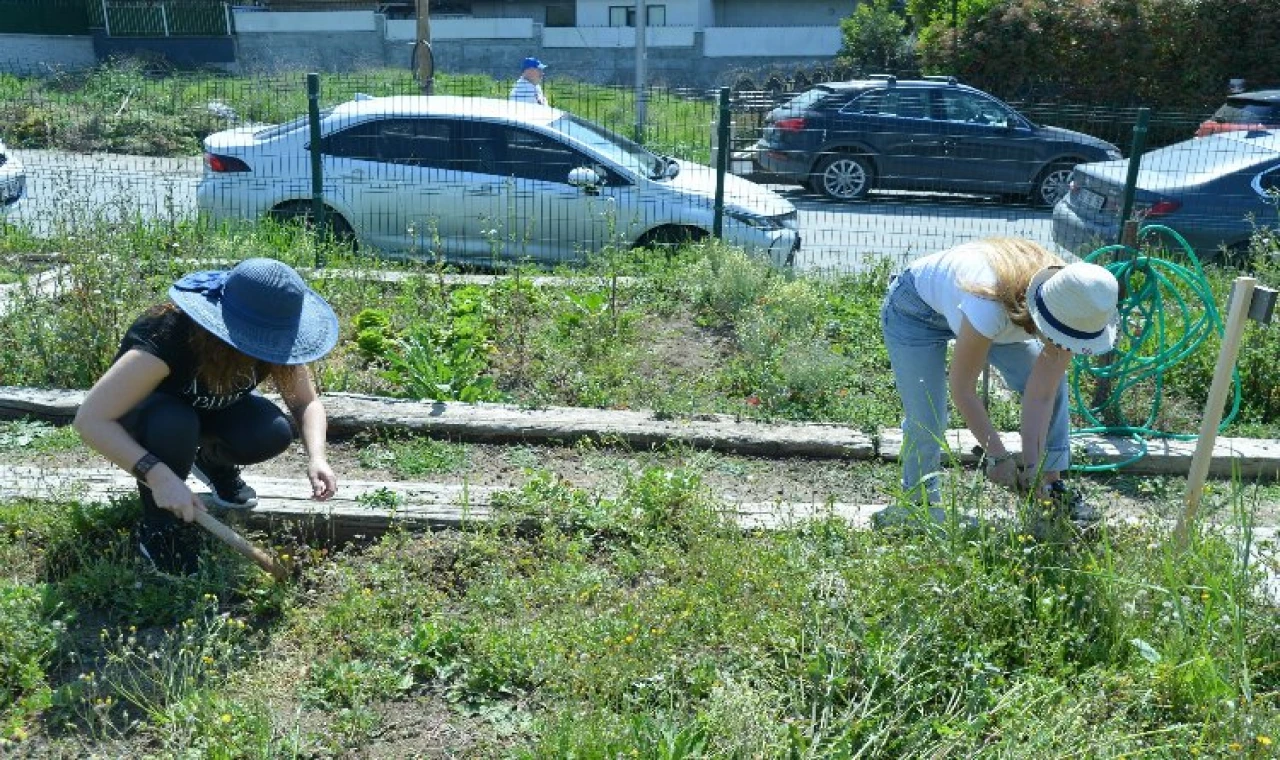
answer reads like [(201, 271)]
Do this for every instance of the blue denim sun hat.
[(262, 308)]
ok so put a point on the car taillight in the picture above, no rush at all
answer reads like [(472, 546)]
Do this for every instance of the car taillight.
[(1160, 208), (794, 124), (217, 163)]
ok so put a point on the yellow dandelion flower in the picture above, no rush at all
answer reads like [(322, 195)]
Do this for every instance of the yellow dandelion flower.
[(1264, 740), (20, 734), (226, 718), (1234, 746)]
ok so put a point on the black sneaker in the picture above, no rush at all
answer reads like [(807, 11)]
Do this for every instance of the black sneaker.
[(228, 489), (1078, 511)]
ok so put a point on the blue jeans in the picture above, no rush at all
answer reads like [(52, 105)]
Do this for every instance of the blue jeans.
[(917, 337)]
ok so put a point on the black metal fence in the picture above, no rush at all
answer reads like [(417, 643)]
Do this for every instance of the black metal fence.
[(471, 180), (117, 18)]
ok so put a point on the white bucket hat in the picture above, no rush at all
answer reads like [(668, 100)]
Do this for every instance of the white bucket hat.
[(1075, 306)]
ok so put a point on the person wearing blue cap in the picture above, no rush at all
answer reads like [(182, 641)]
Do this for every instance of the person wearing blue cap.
[(528, 88), (179, 396)]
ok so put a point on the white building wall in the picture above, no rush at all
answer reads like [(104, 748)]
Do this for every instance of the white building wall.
[(256, 22), (406, 30), (729, 42), (616, 37), (781, 13), (706, 14)]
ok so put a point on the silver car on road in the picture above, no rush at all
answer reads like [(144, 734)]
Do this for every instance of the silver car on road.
[(483, 181)]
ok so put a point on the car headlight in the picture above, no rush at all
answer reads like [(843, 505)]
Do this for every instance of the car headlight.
[(761, 222)]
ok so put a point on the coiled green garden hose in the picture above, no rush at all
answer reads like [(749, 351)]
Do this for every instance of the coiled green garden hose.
[(1167, 312)]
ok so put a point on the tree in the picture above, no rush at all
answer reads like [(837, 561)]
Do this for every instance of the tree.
[(873, 37)]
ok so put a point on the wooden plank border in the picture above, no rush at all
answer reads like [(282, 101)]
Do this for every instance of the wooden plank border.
[(1245, 458)]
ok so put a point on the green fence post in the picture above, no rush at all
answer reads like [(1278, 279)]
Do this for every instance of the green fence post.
[(1135, 159), (722, 161), (317, 178)]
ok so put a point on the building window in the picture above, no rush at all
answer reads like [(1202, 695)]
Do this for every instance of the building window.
[(562, 14), (625, 15)]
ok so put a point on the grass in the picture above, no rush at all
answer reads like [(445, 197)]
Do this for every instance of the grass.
[(642, 625), (709, 331), (122, 107), (582, 622)]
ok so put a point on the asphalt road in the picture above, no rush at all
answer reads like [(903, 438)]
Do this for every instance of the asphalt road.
[(65, 189)]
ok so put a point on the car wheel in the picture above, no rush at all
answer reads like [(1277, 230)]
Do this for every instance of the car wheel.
[(339, 229), (670, 238), (843, 177), (1052, 184)]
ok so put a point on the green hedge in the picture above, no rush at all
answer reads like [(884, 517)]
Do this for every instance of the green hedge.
[(43, 17)]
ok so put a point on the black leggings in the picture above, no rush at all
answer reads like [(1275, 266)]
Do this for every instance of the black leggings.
[(249, 431)]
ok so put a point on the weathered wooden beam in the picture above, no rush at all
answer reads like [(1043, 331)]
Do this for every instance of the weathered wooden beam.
[(364, 510), (1245, 458)]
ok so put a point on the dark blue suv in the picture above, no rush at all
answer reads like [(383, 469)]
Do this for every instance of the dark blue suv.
[(844, 139)]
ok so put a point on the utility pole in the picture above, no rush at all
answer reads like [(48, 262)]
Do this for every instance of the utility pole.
[(424, 62)]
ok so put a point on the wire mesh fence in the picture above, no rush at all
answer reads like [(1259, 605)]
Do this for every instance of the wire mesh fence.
[(472, 177)]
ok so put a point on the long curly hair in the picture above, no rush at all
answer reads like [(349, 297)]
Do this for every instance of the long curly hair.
[(221, 367), (1015, 262)]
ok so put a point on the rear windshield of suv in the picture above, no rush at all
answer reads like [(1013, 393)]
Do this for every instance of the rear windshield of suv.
[(808, 99)]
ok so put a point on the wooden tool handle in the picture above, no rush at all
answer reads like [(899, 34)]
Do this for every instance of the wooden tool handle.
[(238, 542)]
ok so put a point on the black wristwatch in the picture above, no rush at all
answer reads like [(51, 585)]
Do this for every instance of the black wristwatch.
[(143, 466)]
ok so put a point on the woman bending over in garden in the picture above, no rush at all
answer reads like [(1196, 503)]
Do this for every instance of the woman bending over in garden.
[(1014, 304), (181, 394)]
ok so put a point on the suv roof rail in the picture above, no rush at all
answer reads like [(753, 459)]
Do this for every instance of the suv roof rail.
[(886, 77), (949, 79)]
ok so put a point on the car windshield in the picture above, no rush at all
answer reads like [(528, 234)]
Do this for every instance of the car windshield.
[(613, 146), (288, 126), (1244, 111)]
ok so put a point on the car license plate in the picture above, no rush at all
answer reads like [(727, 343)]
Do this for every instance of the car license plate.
[(1089, 199)]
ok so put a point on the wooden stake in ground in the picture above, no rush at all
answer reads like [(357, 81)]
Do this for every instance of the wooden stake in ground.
[(238, 542), (1241, 299)]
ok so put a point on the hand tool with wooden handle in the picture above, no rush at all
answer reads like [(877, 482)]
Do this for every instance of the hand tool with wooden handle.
[(238, 542)]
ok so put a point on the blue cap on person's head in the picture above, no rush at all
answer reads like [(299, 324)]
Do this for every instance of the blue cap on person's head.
[(532, 63)]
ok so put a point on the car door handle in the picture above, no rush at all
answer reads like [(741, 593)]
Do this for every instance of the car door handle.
[(483, 190)]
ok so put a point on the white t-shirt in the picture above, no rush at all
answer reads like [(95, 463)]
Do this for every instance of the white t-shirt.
[(941, 280), (525, 91)]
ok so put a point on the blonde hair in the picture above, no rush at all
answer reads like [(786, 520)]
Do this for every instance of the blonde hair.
[(1015, 261)]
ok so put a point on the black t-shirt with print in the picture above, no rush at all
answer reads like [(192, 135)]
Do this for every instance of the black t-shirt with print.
[(165, 333)]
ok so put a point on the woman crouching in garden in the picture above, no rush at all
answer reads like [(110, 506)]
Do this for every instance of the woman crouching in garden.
[(180, 394)]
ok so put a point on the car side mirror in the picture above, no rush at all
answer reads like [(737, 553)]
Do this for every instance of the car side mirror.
[(585, 177)]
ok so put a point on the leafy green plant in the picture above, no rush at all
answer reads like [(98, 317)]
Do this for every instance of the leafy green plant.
[(28, 639), (36, 436)]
